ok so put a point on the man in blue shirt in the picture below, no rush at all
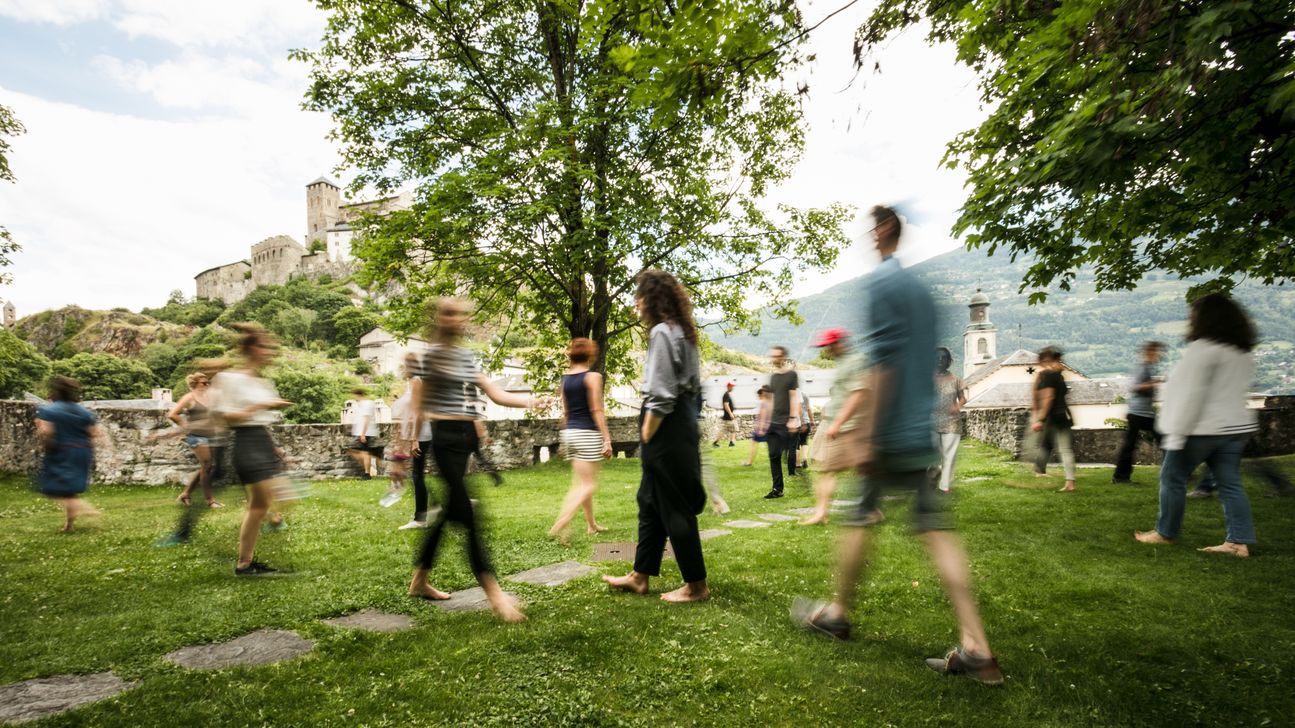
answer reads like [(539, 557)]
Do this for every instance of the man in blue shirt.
[(900, 341), (1142, 412)]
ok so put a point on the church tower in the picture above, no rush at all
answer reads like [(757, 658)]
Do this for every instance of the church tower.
[(323, 198), (980, 338)]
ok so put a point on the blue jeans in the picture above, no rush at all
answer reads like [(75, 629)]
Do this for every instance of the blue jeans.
[(1222, 453)]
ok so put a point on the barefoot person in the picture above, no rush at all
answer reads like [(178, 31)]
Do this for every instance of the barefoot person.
[(760, 428), (364, 428), (68, 432), (249, 404), (193, 414), (1051, 417), (670, 491), (838, 445), (450, 380), (897, 452), (417, 430), (1204, 419), (585, 437)]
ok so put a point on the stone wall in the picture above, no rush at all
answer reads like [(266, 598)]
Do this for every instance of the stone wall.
[(229, 283)]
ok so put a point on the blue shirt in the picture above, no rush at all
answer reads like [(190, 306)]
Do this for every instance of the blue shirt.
[(1142, 403), (900, 338)]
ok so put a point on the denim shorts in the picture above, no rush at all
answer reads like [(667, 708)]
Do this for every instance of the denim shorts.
[(196, 441)]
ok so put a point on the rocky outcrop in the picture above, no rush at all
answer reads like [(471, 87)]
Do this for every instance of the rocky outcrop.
[(71, 330)]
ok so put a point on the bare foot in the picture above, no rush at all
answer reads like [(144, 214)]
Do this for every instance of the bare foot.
[(1068, 489), (632, 582), (508, 610), (688, 593), (1040, 475), (1232, 549), (561, 535), (429, 592), (874, 518), (719, 506), (1152, 537), (814, 520), (184, 499), (215, 504), (591, 530)]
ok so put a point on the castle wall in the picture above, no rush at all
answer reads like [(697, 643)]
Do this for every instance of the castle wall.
[(228, 283), (275, 260)]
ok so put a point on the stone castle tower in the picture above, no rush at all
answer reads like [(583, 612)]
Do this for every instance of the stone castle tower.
[(323, 209), (9, 316), (980, 338)]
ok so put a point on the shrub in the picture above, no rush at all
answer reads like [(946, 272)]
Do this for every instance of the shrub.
[(22, 367), (104, 376)]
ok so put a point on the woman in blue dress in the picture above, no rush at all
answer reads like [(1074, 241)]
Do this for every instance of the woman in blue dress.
[(67, 431)]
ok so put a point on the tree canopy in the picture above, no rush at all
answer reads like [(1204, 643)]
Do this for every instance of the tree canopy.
[(559, 148), (1127, 136), (104, 376), (22, 367)]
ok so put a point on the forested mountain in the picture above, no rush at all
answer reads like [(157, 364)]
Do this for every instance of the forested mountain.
[(1099, 332)]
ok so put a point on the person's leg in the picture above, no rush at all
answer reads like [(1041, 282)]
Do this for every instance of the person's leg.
[(1207, 484), (777, 440), (681, 525), (419, 476), (259, 498), (186, 493), (948, 458), (951, 563), (755, 447), (452, 464), (590, 473), (1065, 445), (792, 446), (575, 499), (1174, 471), (1225, 463), (651, 543), (1124, 457), (1042, 450), (824, 487)]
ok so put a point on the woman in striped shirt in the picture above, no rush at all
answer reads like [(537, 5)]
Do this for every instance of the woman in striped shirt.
[(585, 437), (451, 378)]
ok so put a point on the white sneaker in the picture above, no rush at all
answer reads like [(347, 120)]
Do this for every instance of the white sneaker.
[(412, 525), (390, 499)]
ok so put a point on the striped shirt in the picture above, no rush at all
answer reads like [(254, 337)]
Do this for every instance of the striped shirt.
[(450, 376)]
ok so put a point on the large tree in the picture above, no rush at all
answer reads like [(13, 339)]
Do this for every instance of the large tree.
[(9, 126), (1126, 135), (560, 147)]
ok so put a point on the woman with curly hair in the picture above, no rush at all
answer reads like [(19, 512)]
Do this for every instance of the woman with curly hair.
[(1204, 419), (670, 494)]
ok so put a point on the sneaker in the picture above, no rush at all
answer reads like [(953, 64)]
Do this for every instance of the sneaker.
[(170, 539), (390, 499), (808, 614), (412, 525), (255, 568), (983, 670), (1201, 494), (773, 494)]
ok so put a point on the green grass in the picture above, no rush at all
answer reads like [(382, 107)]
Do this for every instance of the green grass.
[(1090, 627)]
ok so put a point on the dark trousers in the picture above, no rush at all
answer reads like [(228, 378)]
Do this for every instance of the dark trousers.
[(453, 442), (781, 442), (418, 467), (670, 496), (1138, 424), (192, 513)]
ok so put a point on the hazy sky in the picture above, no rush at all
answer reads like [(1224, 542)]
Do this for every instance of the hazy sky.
[(166, 137)]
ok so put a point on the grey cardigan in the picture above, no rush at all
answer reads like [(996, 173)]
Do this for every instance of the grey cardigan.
[(673, 369)]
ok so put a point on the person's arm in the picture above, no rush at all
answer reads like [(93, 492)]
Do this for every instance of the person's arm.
[(662, 384), (854, 403), (1184, 397), (483, 437), (44, 432), (98, 436), (416, 403), (503, 398), (235, 416), (1043, 404), (594, 383), (961, 399), (179, 408), (793, 402)]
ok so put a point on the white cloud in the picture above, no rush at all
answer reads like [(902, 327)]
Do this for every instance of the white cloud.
[(200, 81), (267, 25), (58, 12)]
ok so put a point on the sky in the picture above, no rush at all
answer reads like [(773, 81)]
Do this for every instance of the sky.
[(164, 138)]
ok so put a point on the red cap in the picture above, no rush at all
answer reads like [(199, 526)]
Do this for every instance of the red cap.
[(731, 385), (831, 336)]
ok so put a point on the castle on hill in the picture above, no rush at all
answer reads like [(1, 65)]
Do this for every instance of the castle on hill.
[(277, 259)]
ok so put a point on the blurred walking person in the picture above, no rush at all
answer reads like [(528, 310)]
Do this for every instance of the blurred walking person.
[(839, 446), (1204, 419), (760, 428), (950, 395), (585, 438), (897, 454), (364, 448), (193, 415), (68, 433), (1141, 417), (249, 404), (1051, 422), (670, 492), (806, 430), (728, 418), (785, 418), (451, 378), (416, 431)]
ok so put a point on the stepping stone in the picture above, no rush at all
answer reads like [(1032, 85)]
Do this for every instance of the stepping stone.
[(839, 503), (371, 620), (777, 517), (261, 647), (807, 511), (467, 600), (46, 696), (713, 533), (740, 523), (623, 551), (976, 479), (553, 574)]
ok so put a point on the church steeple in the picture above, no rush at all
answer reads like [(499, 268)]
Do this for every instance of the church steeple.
[(980, 338)]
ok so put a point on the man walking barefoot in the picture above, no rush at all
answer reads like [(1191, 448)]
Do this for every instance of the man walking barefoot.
[(898, 450)]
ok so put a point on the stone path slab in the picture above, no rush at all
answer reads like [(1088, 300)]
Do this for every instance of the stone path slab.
[(261, 647), (778, 517), (467, 600), (713, 533), (742, 523), (46, 696), (977, 479), (553, 574), (806, 511), (371, 620), (623, 551), (841, 503)]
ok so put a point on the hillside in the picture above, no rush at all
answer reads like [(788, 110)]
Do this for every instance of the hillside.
[(1098, 331), (69, 330)]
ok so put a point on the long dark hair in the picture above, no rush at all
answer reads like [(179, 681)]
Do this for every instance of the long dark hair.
[(666, 301), (1220, 319), (943, 359), (64, 389)]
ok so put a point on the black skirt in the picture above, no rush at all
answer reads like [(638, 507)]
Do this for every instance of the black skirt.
[(254, 457)]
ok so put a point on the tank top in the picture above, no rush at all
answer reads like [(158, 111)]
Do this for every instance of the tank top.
[(198, 420), (575, 394)]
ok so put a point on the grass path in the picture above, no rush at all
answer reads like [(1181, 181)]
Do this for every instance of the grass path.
[(1090, 627)]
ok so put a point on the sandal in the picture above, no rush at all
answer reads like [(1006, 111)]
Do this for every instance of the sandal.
[(184, 500), (983, 670), (808, 614)]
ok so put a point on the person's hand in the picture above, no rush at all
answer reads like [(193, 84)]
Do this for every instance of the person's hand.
[(833, 431), (607, 449), (486, 440), (277, 404), (280, 454), (364, 439), (793, 424), (643, 432), (415, 448), (1037, 427)]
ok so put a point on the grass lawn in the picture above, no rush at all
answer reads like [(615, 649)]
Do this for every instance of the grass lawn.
[(1090, 627)]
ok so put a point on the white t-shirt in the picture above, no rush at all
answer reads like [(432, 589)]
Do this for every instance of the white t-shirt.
[(402, 411), (365, 421), (236, 391)]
